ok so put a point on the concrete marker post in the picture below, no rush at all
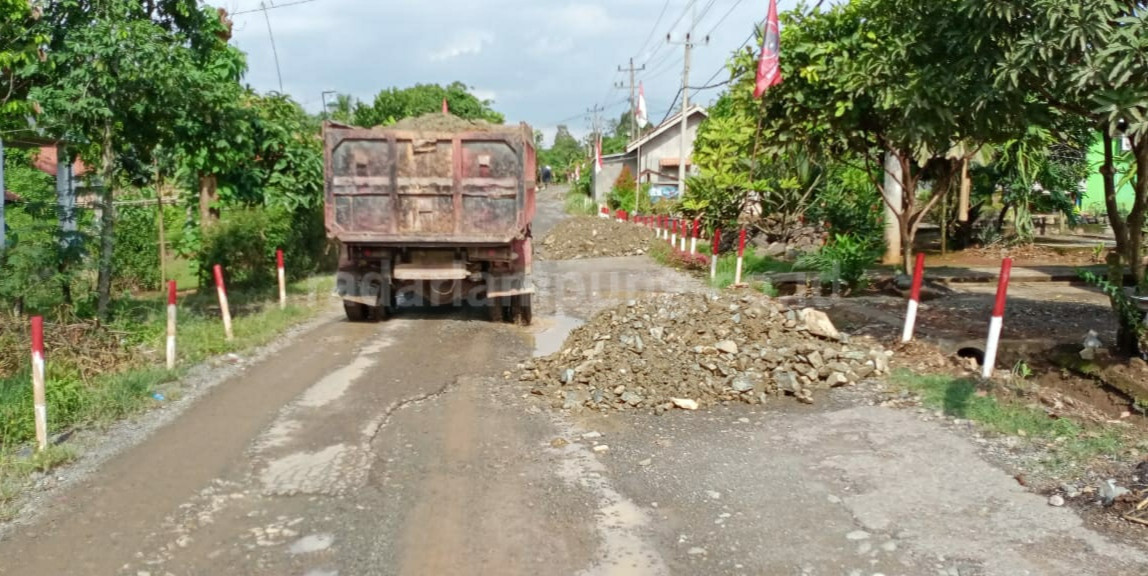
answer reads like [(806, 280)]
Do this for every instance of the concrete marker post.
[(282, 279), (694, 239), (39, 404), (997, 322), (713, 259), (740, 257), (674, 234), (223, 307), (914, 298), (171, 325)]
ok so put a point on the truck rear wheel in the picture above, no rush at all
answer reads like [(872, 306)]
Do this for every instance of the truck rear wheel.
[(521, 310), (356, 312)]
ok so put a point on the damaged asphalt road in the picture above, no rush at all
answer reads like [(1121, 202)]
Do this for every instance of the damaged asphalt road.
[(404, 448)]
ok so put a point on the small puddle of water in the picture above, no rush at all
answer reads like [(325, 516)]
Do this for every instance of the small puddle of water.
[(550, 332)]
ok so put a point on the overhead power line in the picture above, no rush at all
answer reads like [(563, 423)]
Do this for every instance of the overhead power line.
[(272, 7), (654, 29), (726, 15)]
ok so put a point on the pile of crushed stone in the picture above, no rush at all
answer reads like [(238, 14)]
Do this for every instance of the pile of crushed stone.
[(691, 351), (439, 122), (592, 237)]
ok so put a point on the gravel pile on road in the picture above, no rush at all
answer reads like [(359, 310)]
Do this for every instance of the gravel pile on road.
[(690, 351), (589, 237)]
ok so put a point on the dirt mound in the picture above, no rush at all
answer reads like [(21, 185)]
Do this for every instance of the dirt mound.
[(439, 122), (694, 350), (589, 237)]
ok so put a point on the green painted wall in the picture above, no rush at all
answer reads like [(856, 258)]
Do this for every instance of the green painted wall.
[(1093, 200)]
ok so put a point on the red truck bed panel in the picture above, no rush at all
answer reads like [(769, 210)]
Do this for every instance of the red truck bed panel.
[(400, 187)]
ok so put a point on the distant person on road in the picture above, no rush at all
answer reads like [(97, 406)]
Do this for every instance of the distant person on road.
[(547, 176)]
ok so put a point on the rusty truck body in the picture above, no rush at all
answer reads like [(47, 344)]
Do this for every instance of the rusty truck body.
[(439, 216)]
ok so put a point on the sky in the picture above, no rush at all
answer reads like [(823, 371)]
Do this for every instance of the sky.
[(543, 62)]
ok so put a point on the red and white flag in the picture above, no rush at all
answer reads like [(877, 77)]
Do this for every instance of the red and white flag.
[(642, 116), (769, 64), (598, 157)]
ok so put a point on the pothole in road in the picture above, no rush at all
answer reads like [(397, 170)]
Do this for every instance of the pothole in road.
[(548, 334)]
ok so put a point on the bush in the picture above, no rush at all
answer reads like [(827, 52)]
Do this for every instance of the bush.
[(623, 199), (850, 205), (842, 261), (244, 242), (136, 259), (579, 204)]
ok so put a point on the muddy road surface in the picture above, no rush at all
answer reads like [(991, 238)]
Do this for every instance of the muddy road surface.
[(402, 448)]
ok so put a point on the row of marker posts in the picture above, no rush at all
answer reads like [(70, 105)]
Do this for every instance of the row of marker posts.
[(39, 384), (667, 228), (996, 322)]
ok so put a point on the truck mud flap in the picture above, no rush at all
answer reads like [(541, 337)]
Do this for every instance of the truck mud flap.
[(503, 286)]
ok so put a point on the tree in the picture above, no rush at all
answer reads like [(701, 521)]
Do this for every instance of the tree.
[(1086, 59), (564, 153), (20, 49), (212, 132), (394, 104), (873, 79), (118, 80), (341, 109)]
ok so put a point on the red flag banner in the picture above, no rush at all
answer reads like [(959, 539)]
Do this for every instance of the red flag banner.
[(769, 64)]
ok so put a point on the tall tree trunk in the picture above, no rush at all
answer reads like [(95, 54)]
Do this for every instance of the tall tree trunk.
[(208, 194), (107, 226), (1108, 175), (1138, 214), (894, 197)]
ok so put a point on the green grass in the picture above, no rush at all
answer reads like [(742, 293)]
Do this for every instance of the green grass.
[(727, 268), (579, 204), (76, 403), (1070, 443), (752, 265), (14, 473)]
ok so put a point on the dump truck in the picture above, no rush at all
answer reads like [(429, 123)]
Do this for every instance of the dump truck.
[(437, 209)]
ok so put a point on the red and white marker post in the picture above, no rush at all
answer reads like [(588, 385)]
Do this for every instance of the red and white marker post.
[(694, 239), (997, 322), (171, 325), (914, 298), (740, 257), (223, 307), (713, 258), (282, 279), (685, 234), (674, 234), (39, 404)]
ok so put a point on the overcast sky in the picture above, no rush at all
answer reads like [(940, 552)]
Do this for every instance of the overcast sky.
[(545, 62)]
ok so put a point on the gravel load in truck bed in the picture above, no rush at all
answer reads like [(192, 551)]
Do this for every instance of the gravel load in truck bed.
[(690, 351), (593, 237), (439, 122)]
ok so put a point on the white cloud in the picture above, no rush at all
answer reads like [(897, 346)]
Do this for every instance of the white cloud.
[(470, 42)]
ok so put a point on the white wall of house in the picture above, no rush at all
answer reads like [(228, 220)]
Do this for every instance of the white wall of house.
[(667, 145), (604, 181)]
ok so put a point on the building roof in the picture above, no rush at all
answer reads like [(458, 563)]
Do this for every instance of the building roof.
[(45, 161), (671, 122)]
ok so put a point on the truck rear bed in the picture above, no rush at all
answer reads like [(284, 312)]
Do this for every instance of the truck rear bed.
[(391, 187)]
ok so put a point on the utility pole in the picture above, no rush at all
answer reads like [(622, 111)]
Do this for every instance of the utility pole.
[(596, 137), (633, 102), (688, 43)]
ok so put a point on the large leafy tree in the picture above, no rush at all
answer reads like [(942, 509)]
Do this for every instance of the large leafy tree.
[(872, 80), (394, 104), (116, 77), (1085, 58)]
